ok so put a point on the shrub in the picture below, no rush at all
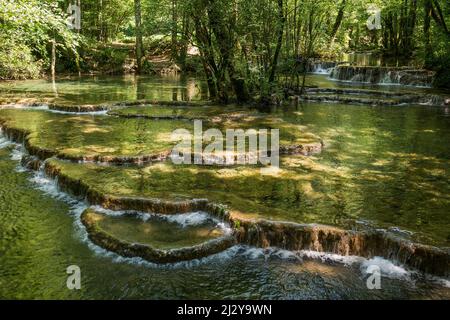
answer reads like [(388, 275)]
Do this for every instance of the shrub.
[(17, 61)]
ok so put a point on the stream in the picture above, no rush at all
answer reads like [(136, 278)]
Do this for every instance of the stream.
[(384, 166)]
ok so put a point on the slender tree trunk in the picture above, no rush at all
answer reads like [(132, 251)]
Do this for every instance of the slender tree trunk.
[(338, 21), (100, 21), (139, 46), (184, 42), (426, 30), (79, 6), (174, 46), (436, 13), (281, 22), (53, 64), (53, 68)]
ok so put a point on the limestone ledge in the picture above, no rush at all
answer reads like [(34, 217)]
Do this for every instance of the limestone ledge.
[(261, 233), (267, 233), (147, 252), (22, 136), (86, 108)]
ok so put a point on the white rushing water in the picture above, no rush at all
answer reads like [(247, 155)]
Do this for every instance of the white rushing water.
[(4, 142), (184, 220), (318, 68)]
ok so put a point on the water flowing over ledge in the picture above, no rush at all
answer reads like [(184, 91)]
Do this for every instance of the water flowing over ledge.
[(100, 108), (383, 75), (39, 153), (148, 252), (285, 235), (261, 233)]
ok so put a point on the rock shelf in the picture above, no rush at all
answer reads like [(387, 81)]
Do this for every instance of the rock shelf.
[(91, 139), (265, 233), (108, 241), (248, 228)]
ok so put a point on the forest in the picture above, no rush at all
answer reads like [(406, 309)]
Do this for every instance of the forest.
[(244, 49)]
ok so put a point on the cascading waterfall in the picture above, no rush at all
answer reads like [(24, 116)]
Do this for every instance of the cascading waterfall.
[(321, 67), (383, 75)]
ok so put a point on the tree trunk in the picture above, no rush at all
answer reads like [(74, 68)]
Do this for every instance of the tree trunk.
[(174, 45), (53, 65), (439, 17), (79, 6), (139, 46), (184, 42), (338, 21), (281, 23), (426, 30)]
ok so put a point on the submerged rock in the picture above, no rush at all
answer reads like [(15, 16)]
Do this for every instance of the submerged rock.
[(286, 235), (145, 251), (256, 232), (79, 108)]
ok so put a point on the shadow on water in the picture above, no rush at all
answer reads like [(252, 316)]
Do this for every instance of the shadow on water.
[(102, 89)]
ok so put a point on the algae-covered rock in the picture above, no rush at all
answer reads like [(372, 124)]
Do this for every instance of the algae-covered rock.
[(98, 235)]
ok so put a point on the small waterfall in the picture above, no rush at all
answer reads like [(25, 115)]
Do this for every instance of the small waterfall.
[(321, 67), (365, 243), (383, 75)]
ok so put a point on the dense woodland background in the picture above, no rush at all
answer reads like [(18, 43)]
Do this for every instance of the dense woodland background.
[(243, 48)]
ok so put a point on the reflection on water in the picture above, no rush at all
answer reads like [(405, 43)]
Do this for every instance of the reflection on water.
[(100, 89), (103, 89)]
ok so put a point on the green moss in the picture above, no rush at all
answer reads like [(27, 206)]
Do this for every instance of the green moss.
[(229, 117), (385, 165), (243, 189), (155, 232), (86, 136)]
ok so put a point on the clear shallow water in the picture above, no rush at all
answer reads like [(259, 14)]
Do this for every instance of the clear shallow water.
[(40, 238), (100, 89), (384, 164), (389, 165), (161, 232)]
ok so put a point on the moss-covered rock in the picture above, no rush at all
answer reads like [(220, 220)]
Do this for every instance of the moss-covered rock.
[(90, 138), (99, 236), (123, 141)]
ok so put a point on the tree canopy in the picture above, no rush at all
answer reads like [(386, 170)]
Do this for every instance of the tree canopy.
[(246, 47)]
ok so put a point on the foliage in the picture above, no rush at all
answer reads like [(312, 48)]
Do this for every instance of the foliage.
[(17, 61), (248, 48), (30, 26)]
